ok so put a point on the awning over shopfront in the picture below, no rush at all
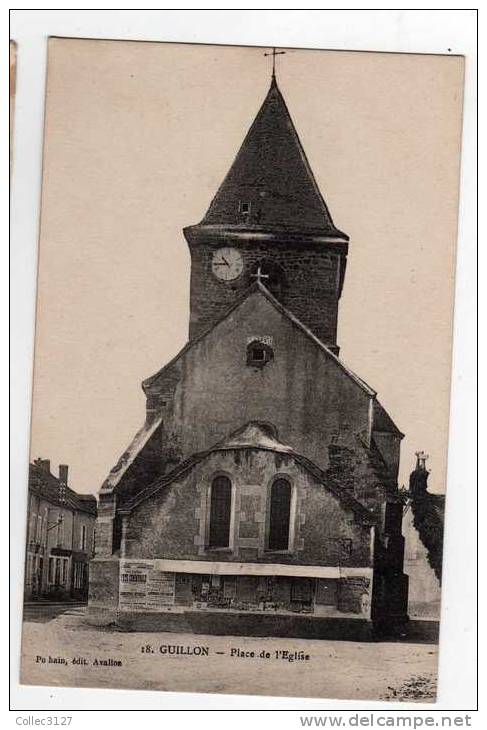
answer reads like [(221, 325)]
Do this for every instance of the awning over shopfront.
[(207, 567), (61, 552)]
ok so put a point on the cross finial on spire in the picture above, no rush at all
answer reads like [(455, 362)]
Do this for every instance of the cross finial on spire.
[(274, 53)]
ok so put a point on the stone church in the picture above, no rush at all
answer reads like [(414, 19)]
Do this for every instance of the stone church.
[(260, 496)]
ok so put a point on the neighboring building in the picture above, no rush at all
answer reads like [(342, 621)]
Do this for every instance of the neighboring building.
[(60, 536), (423, 530), (260, 496)]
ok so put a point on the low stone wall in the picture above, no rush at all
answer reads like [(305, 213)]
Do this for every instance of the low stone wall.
[(250, 624)]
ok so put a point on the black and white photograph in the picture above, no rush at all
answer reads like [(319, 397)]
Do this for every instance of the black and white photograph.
[(242, 371)]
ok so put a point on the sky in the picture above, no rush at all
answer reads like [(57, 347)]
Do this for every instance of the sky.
[(138, 137)]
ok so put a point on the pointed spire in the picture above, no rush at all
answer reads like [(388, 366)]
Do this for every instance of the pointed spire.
[(270, 184)]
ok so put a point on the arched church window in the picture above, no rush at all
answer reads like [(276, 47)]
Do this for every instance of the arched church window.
[(259, 353), (280, 515), (220, 512)]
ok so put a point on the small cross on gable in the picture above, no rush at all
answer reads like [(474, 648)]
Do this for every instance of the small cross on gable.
[(259, 275)]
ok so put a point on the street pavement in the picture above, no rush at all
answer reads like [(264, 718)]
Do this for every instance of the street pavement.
[(59, 648), (45, 611)]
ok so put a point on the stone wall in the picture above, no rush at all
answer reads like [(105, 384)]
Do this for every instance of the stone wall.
[(172, 524), (354, 595), (309, 287), (424, 586), (303, 392)]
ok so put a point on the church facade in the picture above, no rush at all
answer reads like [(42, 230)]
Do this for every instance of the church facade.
[(260, 496)]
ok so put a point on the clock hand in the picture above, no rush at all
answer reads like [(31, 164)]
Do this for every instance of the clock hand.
[(225, 261)]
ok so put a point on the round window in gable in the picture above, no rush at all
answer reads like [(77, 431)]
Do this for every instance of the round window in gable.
[(259, 354)]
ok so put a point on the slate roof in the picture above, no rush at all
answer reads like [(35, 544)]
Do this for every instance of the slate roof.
[(382, 420), (271, 173), (135, 447), (253, 436), (46, 485)]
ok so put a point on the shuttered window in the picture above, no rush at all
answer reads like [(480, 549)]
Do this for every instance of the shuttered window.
[(280, 513), (220, 512)]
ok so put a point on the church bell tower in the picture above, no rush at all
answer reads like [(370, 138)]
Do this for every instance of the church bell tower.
[(268, 222)]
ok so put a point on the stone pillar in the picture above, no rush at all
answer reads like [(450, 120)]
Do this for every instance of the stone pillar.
[(105, 525), (123, 539), (103, 590), (105, 567)]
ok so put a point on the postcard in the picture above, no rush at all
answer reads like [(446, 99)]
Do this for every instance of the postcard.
[(242, 370)]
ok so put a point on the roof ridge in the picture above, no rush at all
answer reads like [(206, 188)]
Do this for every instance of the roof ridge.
[(194, 459), (126, 459), (253, 287), (258, 286), (305, 157), (316, 339), (51, 481)]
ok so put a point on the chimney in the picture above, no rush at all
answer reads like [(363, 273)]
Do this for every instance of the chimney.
[(63, 474), (418, 480), (421, 459), (43, 464)]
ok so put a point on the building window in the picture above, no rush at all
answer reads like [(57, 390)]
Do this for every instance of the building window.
[(60, 530), (52, 570), (280, 515), (39, 529), (220, 512), (259, 354), (29, 570), (58, 571), (244, 207), (32, 528), (45, 526), (83, 538), (79, 576)]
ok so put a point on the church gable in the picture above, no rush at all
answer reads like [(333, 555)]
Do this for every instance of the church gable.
[(259, 363), (249, 504), (264, 371)]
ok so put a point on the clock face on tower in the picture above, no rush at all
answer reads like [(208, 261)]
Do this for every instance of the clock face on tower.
[(227, 263)]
